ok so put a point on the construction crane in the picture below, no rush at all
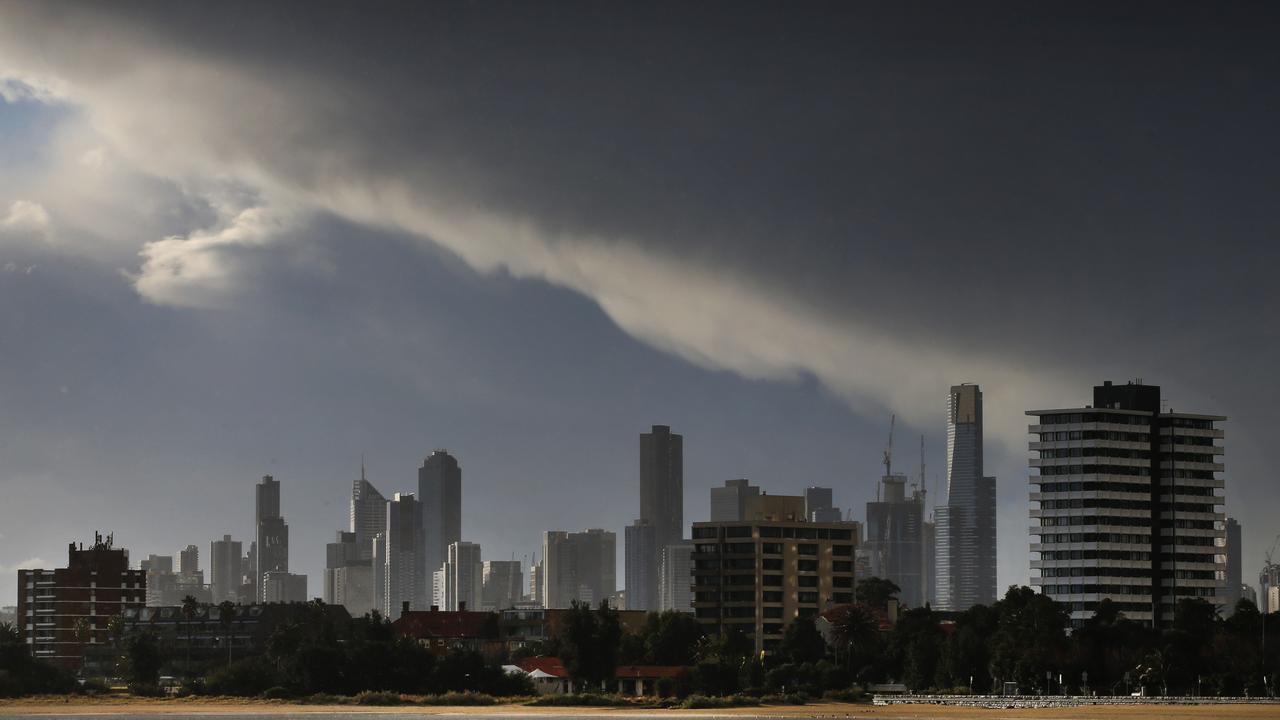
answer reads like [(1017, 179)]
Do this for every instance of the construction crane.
[(888, 454)]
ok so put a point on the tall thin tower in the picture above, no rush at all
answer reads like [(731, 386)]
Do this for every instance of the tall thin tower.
[(966, 525)]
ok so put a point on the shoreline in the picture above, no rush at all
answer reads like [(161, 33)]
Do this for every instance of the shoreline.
[(213, 707)]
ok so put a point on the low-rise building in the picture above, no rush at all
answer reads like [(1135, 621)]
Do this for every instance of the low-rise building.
[(755, 576), (64, 612), (446, 631)]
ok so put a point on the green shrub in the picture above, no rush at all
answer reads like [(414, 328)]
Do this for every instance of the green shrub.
[(847, 695), (145, 689), (794, 698), (277, 692), (369, 697), (325, 699), (468, 698), (580, 700), (93, 686), (698, 702)]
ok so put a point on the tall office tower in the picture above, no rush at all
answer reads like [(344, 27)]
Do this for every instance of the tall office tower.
[(440, 495), (966, 525), (1128, 505), (405, 576), (160, 579), (502, 585), (675, 570), (225, 573), (189, 560), (1268, 584), (641, 551), (1235, 578), (273, 533), (818, 506), (368, 515), (758, 575), (895, 539), (95, 586), (662, 483), (578, 566), (348, 580), (929, 561), (463, 577), (729, 503), (536, 593)]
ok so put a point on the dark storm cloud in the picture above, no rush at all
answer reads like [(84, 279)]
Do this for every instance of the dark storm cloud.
[(888, 198)]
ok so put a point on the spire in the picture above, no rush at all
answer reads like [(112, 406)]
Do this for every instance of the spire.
[(362, 466)]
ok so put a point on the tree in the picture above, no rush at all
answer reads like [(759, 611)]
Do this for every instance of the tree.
[(227, 618), (189, 608), (141, 662), (671, 638), (875, 592), (1031, 639), (82, 631), (802, 643), (589, 643)]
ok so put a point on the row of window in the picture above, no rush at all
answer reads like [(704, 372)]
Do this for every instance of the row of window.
[(766, 531), (1138, 471), (802, 565), (1097, 537), (1144, 488), (1095, 452), (1127, 521), (1099, 589), (767, 548), (1131, 572), (1093, 417)]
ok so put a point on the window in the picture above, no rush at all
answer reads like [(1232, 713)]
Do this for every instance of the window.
[(807, 548), (807, 565), (771, 564), (807, 581), (773, 612), (841, 566), (842, 550), (772, 581), (771, 548), (738, 531), (810, 598)]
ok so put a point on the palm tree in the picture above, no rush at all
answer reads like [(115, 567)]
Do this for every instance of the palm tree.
[(189, 607), (226, 616)]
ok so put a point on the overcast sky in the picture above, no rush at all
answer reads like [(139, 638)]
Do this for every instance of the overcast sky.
[(262, 238)]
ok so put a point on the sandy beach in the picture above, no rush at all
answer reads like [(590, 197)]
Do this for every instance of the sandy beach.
[(131, 707)]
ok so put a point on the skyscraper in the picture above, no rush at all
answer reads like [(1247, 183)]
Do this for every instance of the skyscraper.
[(463, 577), (1232, 593), (819, 507), (404, 573), (189, 560), (225, 573), (641, 551), (966, 524), (1128, 505), (578, 566), (440, 496), (662, 483), (368, 515), (895, 539), (273, 533), (502, 585), (675, 569), (729, 503)]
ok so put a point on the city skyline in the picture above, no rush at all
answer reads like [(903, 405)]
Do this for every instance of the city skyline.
[(528, 236)]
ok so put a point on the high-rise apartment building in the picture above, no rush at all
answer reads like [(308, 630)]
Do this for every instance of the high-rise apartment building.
[(895, 541), (536, 592), (1129, 505), (578, 567), (502, 585), (63, 613), (440, 496), (348, 580), (160, 578), (675, 578), (463, 577), (641, 548), (930, 563), (729, 503), (368, 515), (758, 575), (273, 533), (966, 525), (404, 572), (225, 569)]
